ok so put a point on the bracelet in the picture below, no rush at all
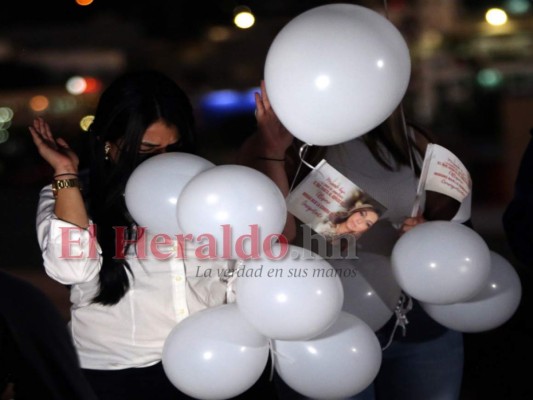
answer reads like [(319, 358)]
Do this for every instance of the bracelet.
[(271, 159), (65, 174)]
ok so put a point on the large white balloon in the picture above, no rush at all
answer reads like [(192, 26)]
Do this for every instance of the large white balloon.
[(338, 364), (490, 308), (295, 298), (441, 262), (335, 72), (214, 354), (370, 290), (153, 189), (236, 207)]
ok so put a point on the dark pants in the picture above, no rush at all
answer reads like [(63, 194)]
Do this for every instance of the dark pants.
[(151, 383)]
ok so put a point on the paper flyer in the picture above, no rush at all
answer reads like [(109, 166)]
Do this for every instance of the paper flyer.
[(332, 205)]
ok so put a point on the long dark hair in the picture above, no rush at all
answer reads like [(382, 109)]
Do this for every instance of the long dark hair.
[(126, 109), (390, 138), (389, 144)]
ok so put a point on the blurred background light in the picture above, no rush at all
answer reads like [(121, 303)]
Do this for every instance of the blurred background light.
[(76, 85), (496, 16), (6, 114), (518, 6), (39, 103), (228, 101), (4, 135), (86, 122), (84, 2), (244, 18), (489, 78), (218, 33)]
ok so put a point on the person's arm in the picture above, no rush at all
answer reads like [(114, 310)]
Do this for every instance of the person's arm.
[(69, 205), (69, 248), (265, 151), (437, 205)]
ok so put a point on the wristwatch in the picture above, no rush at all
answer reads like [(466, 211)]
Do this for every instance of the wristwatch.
[(59, 184)]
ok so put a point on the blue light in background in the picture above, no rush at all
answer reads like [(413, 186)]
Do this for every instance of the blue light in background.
[(224, 102)]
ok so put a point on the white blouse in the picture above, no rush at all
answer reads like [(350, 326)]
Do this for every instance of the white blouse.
[(162, 292)]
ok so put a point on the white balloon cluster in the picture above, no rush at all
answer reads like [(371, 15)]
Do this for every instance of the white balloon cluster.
[(230, 211), (318, 350), (459, 282), (288, 297), (332, 74), (293, 305)]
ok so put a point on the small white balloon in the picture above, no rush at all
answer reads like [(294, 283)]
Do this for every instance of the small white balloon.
[(441, 262), (335, 72), (339, 363), (235, 207), (490, 308), (214, 354), (294, 298), (370, 290), (153, 189)]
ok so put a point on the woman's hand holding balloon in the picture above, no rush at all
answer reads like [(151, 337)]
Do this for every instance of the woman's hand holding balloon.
[(274, 137), (410, 223)]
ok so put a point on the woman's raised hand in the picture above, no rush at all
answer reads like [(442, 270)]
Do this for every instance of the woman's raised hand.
[(275, 138), (55, 151)]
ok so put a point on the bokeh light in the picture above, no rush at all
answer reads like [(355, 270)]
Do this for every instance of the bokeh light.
[(76, 85), (496, 17), (489, 78), (517, 6), (6, 115), (244, 18), (86, 122), (4, 135), (218, 33), (39, 103)]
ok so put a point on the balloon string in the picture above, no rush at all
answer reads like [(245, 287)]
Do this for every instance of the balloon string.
[(273, 359), (229, 280), (273, 355), (405, 304), (302, 152), (386, 7)]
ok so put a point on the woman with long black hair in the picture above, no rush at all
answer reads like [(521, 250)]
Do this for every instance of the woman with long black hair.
[(123, 305)]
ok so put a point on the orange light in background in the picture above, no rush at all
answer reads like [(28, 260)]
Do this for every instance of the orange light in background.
[(218, 33), (84, 2), (39, 103)]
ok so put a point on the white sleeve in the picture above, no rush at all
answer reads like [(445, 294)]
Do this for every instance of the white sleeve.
[(71, 254)]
